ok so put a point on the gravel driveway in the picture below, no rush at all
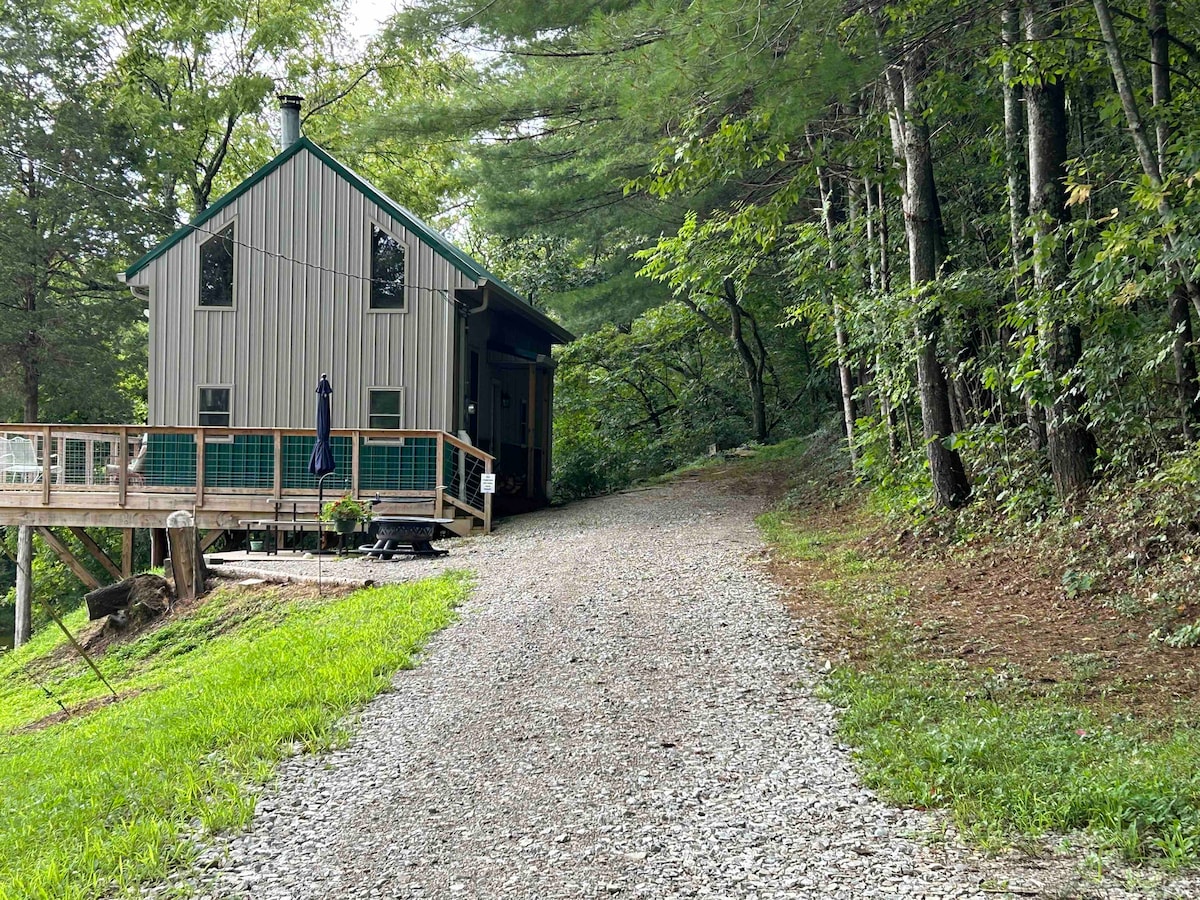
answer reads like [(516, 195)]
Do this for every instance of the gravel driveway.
[(624, 709)]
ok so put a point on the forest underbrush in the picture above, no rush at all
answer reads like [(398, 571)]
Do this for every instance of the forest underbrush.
[(1034, 673)]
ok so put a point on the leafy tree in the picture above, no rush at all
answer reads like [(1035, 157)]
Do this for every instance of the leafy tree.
[(66, 171), (196, 75)]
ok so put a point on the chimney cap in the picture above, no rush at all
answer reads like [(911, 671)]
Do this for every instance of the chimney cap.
[(290, 101)]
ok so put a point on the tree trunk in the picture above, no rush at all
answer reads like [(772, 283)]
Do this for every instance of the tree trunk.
[(1146, 156), (187, 559), (1016, 164), (845, 376), (885, 265), (1187, 390), (925, 249), (146, 595), (752, 367), (30, 384), (1072, 449)]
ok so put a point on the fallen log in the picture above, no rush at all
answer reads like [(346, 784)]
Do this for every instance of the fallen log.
[(140, 598)]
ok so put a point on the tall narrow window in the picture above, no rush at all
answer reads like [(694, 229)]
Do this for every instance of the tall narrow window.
[(386, 408), (387, 270), (214, 406), (216, 269)]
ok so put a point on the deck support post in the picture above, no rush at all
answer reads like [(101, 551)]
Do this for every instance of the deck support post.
[(24, 584), (158, 546), (123, 463), (277, 474), (200, 466), (530, 421), (126, 552), (47, 471), (439, 487)]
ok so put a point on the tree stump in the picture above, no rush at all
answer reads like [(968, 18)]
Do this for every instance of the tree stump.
[(137, 600), (187, 559)]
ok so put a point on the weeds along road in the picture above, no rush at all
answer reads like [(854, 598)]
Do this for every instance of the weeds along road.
[(624, 708)]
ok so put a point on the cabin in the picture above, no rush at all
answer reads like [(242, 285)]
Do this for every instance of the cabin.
[(306, 268), (441, 373)]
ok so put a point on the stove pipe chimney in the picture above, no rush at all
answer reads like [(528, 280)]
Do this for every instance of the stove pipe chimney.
[(289, 116)]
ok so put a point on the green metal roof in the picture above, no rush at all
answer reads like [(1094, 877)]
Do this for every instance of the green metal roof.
[(452, 254)]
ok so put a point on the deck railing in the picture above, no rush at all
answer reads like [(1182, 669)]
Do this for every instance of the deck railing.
[(260, 462)]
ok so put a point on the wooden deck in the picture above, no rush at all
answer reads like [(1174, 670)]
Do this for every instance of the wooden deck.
[(92, 475)]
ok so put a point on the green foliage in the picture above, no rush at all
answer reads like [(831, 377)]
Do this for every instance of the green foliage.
[(1184, 636), (344, 509), (111, 797), (636, 402), (68, 165), (1005, 764), (54, 584), (1008, 760)]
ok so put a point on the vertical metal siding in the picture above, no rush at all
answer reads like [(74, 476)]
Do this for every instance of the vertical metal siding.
[(292, 321)]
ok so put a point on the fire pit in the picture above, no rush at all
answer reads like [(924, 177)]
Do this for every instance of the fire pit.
[(404, 536)]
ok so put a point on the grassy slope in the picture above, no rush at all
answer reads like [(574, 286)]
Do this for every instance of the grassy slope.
[(104, 799), (1013, 761)]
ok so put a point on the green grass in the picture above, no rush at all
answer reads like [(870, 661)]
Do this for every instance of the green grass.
[(1012, 762), (1011, 765), (108, 799)]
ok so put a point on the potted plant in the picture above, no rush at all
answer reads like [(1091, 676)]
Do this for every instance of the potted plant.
[(345, 513)]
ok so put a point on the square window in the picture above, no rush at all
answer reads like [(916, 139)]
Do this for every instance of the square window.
[(387, 270), (214, 406), (385, 408), (216, 269)]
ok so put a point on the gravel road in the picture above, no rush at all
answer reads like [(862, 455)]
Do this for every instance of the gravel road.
[(624, 709)]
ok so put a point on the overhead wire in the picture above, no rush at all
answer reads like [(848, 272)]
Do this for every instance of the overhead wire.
[(204, 230)]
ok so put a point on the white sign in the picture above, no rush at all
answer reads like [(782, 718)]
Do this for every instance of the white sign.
[(487, 484)]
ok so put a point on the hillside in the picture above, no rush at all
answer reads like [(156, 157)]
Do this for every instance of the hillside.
[(105, 792)]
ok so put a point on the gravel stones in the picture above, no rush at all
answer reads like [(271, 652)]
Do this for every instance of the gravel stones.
[(623, 710)]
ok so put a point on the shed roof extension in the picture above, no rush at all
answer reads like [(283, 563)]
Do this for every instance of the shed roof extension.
[(443, 247)]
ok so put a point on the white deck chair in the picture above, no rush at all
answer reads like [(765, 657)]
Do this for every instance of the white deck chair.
[(25, 463), (137, 465)]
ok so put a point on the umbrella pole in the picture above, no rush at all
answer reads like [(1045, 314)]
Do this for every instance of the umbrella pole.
[(320, 506)]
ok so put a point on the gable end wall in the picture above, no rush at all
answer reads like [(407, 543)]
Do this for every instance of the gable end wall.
[(300, 309)]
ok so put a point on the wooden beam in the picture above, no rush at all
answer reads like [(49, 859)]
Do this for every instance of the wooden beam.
[(530, 420), (63, 552), (487, 500), (46, 476), (548, 450), (127, 552), (123, 462), (439, 503), (198, 437), (158, 546), (354, 463), (211, 538), (96, 551), (277, 476)]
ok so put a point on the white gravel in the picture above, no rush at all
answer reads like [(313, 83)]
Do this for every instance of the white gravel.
[(624, 709)]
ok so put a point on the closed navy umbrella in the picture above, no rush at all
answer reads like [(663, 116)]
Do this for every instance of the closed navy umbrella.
[(322, 463)]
